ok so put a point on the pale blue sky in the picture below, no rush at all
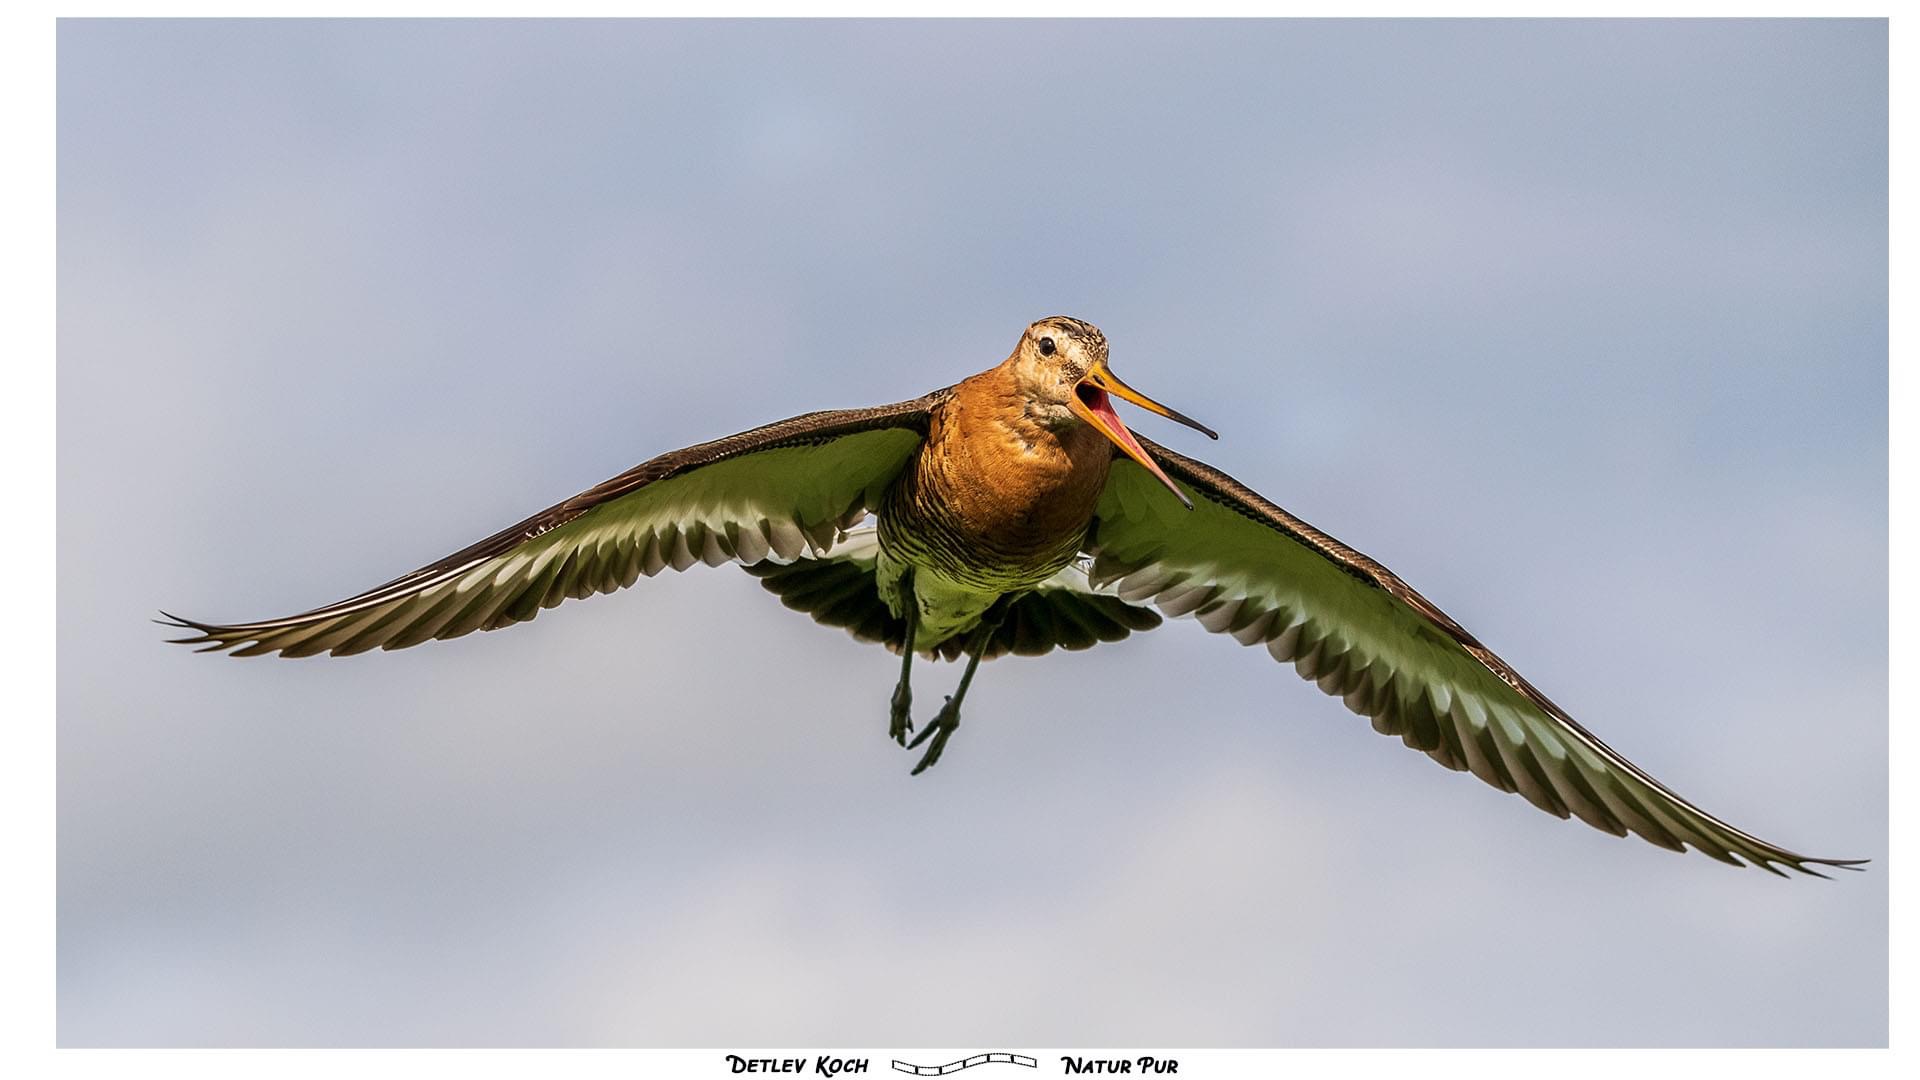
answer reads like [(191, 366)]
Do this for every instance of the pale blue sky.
[(1581, 327)]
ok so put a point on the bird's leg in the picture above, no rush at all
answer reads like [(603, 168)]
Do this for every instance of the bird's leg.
[(948, 719), (900, 716)]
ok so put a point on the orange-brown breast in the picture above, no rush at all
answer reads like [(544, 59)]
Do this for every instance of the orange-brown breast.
[(996, 499)]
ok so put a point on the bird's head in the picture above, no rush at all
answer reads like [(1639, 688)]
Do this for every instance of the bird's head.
[(1061, 364)]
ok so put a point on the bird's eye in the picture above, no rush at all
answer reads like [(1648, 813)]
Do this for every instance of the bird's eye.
[(1046, 346)]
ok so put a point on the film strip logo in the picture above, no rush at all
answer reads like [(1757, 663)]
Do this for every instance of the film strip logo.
[(965, 1063)]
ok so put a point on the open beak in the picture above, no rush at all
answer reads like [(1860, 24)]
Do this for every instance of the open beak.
[(1091, 403)]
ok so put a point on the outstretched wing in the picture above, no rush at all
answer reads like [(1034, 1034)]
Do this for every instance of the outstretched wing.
[(1063, 612), (773, 492), (1243, 566)]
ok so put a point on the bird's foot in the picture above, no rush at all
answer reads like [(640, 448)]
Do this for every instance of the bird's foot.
[(900, 714), (941, 730)]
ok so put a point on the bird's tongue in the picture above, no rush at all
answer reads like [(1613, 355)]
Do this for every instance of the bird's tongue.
[(1102, 406)]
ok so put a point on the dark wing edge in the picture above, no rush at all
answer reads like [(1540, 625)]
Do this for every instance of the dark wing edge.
[(1421, 721), (380, 616)]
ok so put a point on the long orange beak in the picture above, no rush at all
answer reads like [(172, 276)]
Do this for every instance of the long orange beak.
[(1090, 404)]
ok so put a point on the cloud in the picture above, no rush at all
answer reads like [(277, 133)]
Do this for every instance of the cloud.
[(1579, 328)]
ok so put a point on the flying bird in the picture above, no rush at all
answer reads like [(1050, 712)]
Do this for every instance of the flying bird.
[(1014, 512)]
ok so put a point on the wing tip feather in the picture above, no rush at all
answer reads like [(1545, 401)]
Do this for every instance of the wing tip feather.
[(1805, 865)]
